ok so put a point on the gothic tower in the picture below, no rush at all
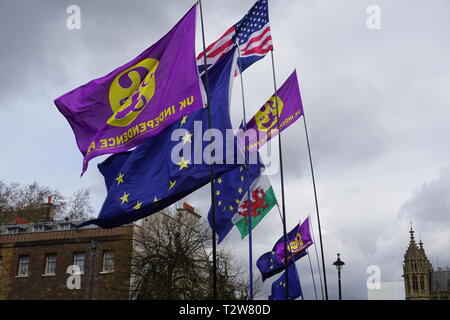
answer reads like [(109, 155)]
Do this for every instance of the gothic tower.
[(416, 271)]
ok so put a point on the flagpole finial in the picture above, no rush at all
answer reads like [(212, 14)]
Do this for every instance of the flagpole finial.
[(411, 232), (420, 241)]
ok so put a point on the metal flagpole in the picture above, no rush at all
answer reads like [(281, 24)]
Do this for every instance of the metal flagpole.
[(317, 259), (312, 274), (310, 264), (213, 204), (247, 163), (282, 176), (317, 209)]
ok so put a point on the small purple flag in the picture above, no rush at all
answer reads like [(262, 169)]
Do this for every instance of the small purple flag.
[(263, 126), (139, 99), (298, 240)]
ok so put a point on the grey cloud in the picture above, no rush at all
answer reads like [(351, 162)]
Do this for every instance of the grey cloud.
[(429, 206), (376, 104)]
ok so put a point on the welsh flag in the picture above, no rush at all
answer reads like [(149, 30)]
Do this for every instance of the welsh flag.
[(262, 201)]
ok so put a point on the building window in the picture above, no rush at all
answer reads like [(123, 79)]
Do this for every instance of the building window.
[(50, 264), (78, 260), (66, 226), (41, 228), (108, 261), (15, 230), (415, 287), (24, 265), (422, 283)]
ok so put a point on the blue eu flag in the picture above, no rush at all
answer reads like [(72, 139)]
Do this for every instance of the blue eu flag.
[(279, 285), (230, 188), (152, 177)]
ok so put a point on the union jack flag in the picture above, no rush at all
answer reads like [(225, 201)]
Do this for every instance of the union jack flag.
[(251, 34)]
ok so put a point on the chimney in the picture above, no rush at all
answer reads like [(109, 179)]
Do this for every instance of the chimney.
[(49, 213), (188, 207)]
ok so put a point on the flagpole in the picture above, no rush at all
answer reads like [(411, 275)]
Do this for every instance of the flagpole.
[(281, 174), (212, 178), (317, 258), (310, 264), (312, 275), (247, 162), (317, 207)]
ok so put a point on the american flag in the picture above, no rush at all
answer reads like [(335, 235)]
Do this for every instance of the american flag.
[(251, 33)]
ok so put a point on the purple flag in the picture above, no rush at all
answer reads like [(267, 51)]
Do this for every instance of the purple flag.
[(139, 99), (298, 240), (263, 126)]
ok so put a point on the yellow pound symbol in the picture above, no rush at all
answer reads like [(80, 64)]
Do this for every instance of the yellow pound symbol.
[(296, 244), (130, 92), (266, 117)]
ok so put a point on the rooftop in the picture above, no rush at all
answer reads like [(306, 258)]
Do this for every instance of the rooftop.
[(440, 279), (41, 227)]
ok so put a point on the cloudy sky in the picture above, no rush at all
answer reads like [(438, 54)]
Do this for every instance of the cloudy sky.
[(377, 104)]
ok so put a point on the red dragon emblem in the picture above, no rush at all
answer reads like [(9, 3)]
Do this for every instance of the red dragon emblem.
[(256, 206)]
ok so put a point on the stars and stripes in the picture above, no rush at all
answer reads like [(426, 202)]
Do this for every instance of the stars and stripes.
[(251, 34)]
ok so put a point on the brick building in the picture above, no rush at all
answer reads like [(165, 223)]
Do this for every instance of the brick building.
[(35, 257)]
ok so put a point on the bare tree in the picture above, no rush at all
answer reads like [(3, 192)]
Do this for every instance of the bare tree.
[(233, 277), (29, 202), (172, 260), (78, 207)]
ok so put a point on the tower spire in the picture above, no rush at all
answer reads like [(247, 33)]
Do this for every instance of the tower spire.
[(411, 232)]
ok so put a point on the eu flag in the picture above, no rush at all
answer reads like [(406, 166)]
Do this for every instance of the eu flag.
[(165, 168), (279, 285), (273, 262), (230, 188)]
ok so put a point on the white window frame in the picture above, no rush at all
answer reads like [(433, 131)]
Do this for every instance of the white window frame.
[(47, 264), (15, 230), (64, 226), (75, 260), (108, 263), (21, 264)]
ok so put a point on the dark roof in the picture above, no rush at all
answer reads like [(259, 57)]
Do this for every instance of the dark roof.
[(440, 279)]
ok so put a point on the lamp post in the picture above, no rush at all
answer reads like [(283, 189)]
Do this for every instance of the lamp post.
[(91, 271), (339, 265)]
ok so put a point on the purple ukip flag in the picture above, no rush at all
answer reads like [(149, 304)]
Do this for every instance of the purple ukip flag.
[(139, 99), (263, 126), (298, 240)]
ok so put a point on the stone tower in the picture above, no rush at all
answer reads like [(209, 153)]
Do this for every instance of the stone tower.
[(416, 271)]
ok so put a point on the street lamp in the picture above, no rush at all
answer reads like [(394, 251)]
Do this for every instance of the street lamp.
[(94, 246), (339, 265)]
